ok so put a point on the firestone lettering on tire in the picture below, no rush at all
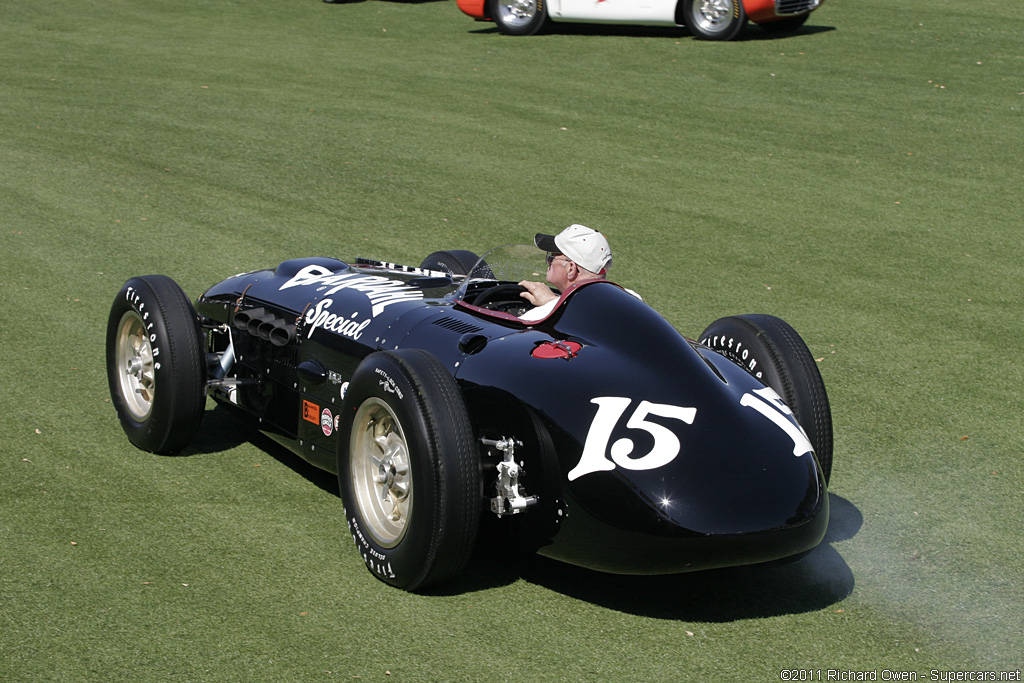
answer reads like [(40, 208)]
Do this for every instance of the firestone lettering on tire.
[(736, 352), (375, 561), (135, 300)]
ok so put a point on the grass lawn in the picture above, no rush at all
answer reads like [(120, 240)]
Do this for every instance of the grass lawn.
[(861, 179)]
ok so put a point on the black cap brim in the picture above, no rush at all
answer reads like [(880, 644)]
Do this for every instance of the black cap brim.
[(546, 243)]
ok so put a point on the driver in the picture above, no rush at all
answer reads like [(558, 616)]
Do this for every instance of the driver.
[(576, 254)]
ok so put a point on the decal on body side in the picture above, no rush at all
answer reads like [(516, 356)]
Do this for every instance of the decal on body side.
[(600, 455), (380, 290), (339, 324), (770, 404), (609, 411)]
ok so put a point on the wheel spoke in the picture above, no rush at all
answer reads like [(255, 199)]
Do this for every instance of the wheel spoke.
[(396, 511), (381, 443)]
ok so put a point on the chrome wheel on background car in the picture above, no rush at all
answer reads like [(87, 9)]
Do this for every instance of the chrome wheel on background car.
[(519, 17), (380, 470), (714, 19)]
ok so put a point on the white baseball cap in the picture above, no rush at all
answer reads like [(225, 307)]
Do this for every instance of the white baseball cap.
[(580, 244)]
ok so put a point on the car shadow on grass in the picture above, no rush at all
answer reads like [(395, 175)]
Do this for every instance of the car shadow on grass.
[(400, 2), (753, 33), (750, 34), (224, 429), (813, 582)]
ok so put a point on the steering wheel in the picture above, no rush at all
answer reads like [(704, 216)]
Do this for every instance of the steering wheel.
[(508, 293)]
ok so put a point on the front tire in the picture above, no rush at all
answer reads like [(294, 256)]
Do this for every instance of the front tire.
[(519, 17), (714, 19), (772, 351), (408, 469), (156, 364)]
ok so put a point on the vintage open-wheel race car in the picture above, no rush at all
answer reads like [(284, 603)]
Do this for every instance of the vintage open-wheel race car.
[(598, 435)]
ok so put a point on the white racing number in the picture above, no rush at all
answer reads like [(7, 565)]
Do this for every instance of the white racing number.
[(771, 406), (609, 411), (601, 455)]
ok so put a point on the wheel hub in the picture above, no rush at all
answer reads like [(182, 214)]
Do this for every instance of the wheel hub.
[(392, 477), (522, 9), (715, 12), (519, 11), (135, 366)]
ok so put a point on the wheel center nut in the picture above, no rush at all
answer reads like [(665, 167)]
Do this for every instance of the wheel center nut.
[(386, 474)]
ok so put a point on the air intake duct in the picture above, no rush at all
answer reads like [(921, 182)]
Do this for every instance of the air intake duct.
[(267, 326), (243, 317), (277, 332), (254, 323)]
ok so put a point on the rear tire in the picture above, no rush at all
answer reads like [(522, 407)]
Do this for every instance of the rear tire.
[(455, 262), (770, 350), (408, 469), (156, 365)]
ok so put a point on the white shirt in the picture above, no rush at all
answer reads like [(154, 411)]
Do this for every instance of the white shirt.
[(540, 312), (544, 310)]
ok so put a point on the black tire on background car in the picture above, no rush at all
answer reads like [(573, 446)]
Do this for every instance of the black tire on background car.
[(773, 352), (454, 262), (714, 19), (788, 25), (408, 469), (519, 17), (156, 364)]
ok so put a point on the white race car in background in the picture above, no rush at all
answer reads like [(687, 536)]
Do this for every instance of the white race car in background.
[(705, 19)]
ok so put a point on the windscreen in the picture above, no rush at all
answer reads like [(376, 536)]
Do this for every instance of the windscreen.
[(510, 263)]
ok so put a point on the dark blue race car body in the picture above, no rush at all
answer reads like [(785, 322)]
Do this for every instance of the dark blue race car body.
[(600, 435)]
